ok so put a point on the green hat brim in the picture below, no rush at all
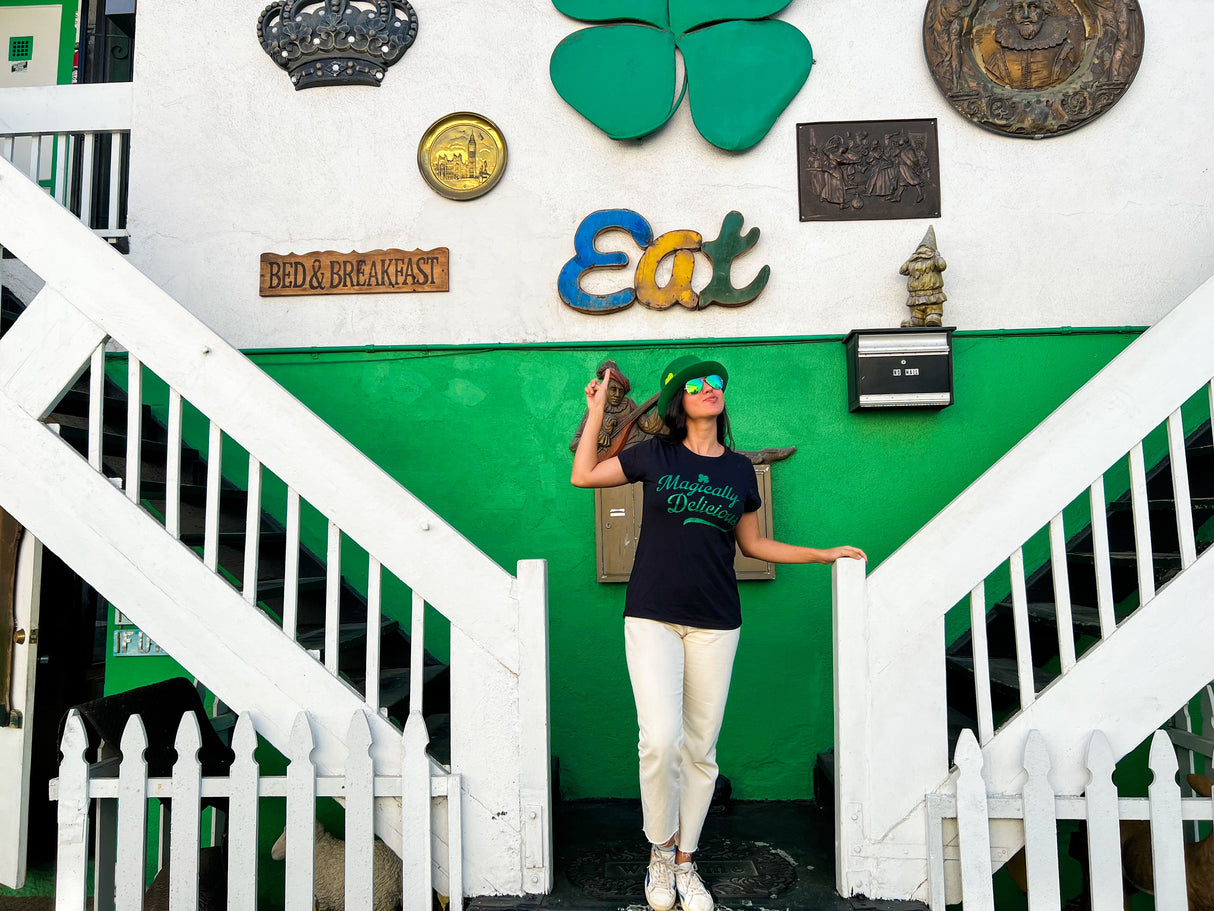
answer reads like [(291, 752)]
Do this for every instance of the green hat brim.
[(679, 371)]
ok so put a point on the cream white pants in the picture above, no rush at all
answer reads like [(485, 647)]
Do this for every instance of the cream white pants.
[(680, 680)]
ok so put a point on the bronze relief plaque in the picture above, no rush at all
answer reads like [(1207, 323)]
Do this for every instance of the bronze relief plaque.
[(856, 170), (1033, 68)]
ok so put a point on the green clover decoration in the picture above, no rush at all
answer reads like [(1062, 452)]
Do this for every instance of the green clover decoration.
[(742, 69)]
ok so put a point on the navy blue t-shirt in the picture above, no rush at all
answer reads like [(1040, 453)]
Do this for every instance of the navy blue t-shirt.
[(683, 572)]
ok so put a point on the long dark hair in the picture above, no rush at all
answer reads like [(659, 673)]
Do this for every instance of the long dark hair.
[(676, 423)]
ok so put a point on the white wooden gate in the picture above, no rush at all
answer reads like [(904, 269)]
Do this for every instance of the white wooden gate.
[(120, 867), (959, 827)]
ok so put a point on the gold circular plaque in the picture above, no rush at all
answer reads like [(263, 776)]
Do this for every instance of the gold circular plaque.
[(462, 155)]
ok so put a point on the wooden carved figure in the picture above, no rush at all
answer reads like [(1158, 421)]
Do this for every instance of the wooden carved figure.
[(624, 422)]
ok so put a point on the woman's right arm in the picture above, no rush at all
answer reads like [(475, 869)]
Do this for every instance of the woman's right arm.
[(587, 470)]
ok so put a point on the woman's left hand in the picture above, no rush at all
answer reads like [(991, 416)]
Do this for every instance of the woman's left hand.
[(838, 553)]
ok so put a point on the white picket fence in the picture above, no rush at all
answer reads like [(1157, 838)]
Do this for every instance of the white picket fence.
[(959, 827), (120, 805)]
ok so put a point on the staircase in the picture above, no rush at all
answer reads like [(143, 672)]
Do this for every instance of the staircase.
[(1082, 560), (1043, 638), (244, 597), (71, 414)]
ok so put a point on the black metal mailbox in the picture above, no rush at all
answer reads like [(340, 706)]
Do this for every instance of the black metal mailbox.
[(900, 368)]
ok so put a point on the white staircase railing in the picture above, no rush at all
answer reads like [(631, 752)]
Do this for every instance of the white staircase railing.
[(56, 133), (498, 636), (891, 729)]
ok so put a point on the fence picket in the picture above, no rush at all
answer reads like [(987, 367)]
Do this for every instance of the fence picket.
[(184, 826), (1104, 830), (1020, 616), (72, 855), (132, 817), (415, 807), (301, 817), (242, 819), (1040, 828), (973, 826), (1167, 841), (360, 808)]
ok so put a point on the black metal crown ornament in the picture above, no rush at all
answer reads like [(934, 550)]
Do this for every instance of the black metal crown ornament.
[(336, 42)]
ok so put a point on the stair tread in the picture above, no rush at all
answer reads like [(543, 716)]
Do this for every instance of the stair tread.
[(1081, 615), (1125, 556), (1004, 672), (346, 632), (1162, 503)]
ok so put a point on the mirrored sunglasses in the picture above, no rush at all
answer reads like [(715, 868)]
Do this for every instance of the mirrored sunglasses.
[(694, 387)]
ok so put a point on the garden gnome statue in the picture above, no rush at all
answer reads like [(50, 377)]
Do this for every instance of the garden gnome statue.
[(924, 284)]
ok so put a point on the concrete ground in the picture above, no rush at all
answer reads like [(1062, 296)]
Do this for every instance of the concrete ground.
[(754, 856)]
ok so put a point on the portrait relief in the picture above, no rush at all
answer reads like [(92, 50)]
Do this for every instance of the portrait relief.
[(1033, 67)]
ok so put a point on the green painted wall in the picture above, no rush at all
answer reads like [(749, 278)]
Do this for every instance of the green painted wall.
[(481, 435)]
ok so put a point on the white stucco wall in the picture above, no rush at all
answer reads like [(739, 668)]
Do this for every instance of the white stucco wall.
[(1110, 225)]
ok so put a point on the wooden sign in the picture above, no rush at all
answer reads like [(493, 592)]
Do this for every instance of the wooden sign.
[(377, 272)]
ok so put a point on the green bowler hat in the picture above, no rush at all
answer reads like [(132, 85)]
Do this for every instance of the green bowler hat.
[(679, 371)]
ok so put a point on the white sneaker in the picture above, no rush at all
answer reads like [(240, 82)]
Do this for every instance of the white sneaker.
[(693, 894), (659, 878)]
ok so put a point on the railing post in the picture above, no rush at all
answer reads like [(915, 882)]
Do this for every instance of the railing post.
[(891, 743), (534, 773), (852, 680)]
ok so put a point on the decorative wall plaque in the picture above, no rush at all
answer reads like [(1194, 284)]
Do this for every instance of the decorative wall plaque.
[(868, 169), (1033, 68), (462, 155), (377, 272), (337, 42), (681, 245)]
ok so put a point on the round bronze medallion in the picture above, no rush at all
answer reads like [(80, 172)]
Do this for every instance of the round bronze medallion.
[(462, 155), (1033, 68)]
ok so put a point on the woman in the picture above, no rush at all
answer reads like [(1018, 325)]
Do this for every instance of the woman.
[(682, 616)]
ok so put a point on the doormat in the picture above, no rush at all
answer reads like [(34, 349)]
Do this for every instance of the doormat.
[(731, 868)]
